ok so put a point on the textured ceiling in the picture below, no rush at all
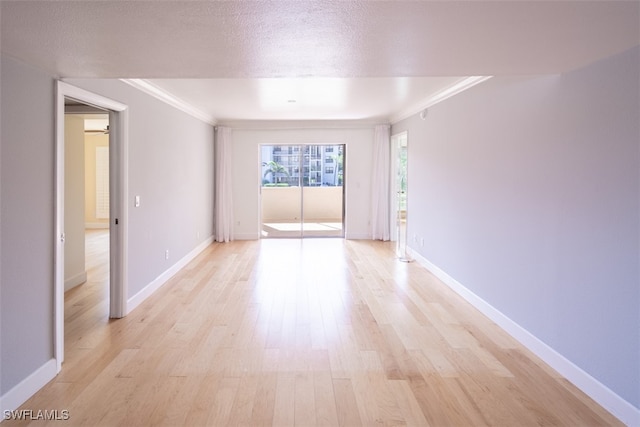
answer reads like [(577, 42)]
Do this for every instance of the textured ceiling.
[(312, 39)]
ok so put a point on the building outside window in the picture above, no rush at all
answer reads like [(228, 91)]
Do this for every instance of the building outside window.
[(321, 165)]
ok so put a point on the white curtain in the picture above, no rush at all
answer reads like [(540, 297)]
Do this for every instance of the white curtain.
[(223, 172), (380, 229)]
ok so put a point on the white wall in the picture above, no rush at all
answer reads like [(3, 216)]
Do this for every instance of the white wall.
[(247, 179), (26, 221), (526, 191)]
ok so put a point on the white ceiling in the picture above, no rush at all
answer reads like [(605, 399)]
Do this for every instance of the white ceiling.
[(305, 98), (337, 59)]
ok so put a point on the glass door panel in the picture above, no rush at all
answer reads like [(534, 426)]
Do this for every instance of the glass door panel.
[(281, 192), (323, 191), (400, 150), (302, 190)]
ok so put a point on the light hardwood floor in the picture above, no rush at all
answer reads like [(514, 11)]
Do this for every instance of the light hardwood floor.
[(301, 332)]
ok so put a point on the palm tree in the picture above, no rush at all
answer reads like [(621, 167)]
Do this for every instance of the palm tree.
[(337, 170), (274, 168)]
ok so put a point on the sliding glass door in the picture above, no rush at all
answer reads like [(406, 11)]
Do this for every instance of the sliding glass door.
[(302, 192), (281, 191)]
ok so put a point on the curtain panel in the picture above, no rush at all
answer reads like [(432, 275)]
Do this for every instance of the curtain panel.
[(223, 194), (380, 210)]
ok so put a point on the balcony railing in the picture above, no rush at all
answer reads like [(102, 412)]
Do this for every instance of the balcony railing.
[(319, 204), (302, 212)]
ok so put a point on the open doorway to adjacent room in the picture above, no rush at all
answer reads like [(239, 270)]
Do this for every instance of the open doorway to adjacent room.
[(90, 214), (86, 213)]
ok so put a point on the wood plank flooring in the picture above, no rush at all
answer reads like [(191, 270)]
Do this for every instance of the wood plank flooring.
[(300, 332)]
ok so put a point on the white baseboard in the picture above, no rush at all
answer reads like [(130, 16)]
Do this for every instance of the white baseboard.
[(19, 394), (74, 281), (246, 236), (145, 292), (348, 236), (96, 225), (357, 236), (619, 407)]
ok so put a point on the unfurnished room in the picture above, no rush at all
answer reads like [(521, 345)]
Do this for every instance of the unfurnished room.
[(350, 213)]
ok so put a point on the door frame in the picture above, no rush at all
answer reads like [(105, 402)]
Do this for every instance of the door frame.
[(118, 214)]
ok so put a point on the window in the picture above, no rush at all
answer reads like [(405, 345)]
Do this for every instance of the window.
[(328, 169), (102, 182)]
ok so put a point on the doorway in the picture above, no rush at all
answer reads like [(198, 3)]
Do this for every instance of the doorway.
[(400, 192), (115, 204), (302, 190), (86, 204)]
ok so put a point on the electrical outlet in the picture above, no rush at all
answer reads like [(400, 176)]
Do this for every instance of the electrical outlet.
[(166, 254)]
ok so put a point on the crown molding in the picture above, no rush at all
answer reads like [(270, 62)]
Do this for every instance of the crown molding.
[(164, 96), (160, 94), (454, 89), (300, 124)]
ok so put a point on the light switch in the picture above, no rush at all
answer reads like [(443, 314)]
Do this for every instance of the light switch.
[(137, 202)]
